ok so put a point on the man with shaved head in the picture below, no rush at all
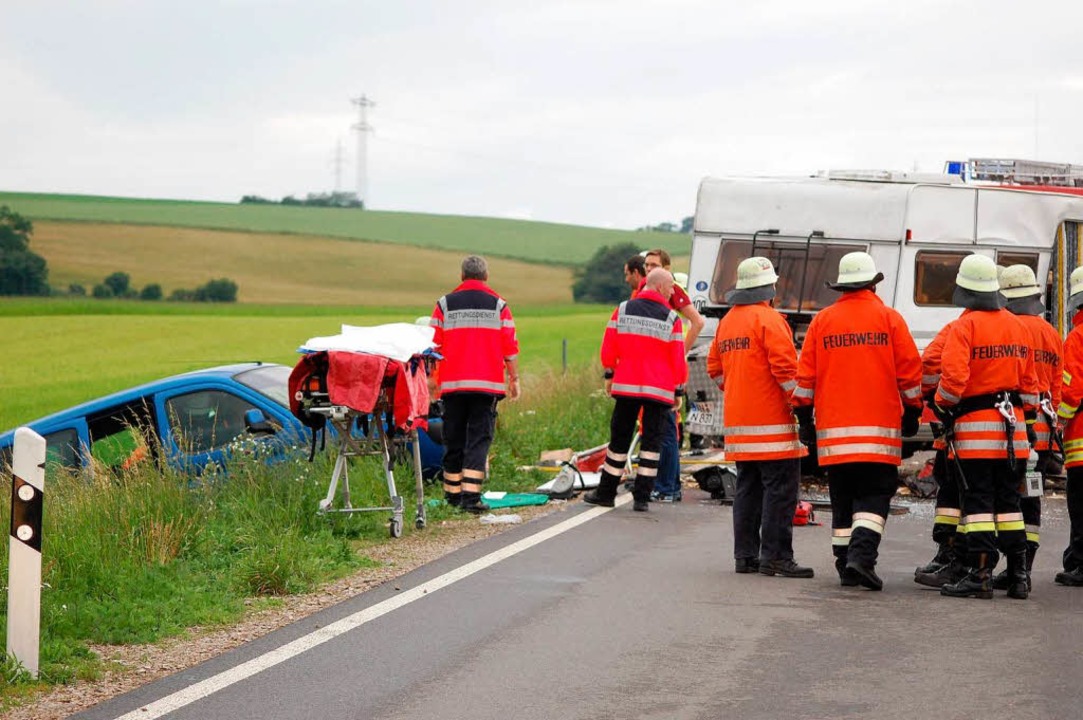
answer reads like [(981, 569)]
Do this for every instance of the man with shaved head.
[(643, 359)]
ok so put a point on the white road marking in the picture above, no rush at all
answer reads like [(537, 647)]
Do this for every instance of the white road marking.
[(224, 679)]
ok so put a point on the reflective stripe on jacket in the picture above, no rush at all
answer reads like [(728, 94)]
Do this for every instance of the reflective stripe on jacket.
[(753, 360), (987, 351), (475, 332), (1048, 350), (1071, 396), (644, 347), (859, 366)]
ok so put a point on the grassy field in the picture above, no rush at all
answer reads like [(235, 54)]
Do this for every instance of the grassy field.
[(537, 242), (58, 360), (279, 268)]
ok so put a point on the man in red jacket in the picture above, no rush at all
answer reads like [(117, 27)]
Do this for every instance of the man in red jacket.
[(988, 387), (1022, 296), (643, 359), (1070, 403), (475, 333), (860, 374), (754, 361)]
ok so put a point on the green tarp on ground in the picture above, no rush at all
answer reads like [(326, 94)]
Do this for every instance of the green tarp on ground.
[(514, 499)]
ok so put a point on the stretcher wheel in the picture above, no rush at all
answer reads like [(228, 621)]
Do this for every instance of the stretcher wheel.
[(395, 526), (420, 523)]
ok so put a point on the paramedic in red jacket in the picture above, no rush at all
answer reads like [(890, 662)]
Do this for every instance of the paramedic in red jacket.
[(988, 387), (1071, 400), (643, 360), (475, 332), (859, 391), (754, 361), (1022, 296)]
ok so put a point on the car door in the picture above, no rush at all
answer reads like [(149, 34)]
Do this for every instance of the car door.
[(202, 425)]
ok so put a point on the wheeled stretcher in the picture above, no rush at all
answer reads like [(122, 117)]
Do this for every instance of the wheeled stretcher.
[(369, 388), (374, 440)]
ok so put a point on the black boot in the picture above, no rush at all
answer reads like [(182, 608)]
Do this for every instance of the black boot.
[(947, 574), (978, 582), (1032, 551), (942, 558), (847, 577), (1018, 581), (472, 503)]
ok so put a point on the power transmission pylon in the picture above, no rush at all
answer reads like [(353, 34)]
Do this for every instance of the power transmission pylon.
[(363, 128)]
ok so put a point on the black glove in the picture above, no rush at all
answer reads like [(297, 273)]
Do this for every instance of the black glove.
[(944, 415), (911, 421), (806, 431)]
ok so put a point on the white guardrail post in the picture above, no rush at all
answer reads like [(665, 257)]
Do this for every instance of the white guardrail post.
[(24, 560)]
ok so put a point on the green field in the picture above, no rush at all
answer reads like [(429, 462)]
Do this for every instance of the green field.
[(549, 243), (58, 360)]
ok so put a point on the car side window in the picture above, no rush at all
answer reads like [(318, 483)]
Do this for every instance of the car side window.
[(62, 448), (122, 435), (206, 419)]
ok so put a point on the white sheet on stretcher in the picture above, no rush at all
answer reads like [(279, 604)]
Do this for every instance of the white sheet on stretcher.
[(398, 341)]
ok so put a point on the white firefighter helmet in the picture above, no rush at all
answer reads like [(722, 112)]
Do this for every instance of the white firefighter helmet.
[(1018, 281), (1075, 289), (856, 270), (681, 279), (755, 272), (978, 273)]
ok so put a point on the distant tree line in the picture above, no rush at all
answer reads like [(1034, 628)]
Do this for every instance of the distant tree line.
[(685, 227), (118, 285), (332, 199)]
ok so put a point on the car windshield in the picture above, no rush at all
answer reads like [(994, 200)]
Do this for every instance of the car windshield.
[(269, 380), (789, 261)]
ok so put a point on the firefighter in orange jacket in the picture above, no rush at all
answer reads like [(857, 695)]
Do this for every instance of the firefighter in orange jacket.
[(475, 332), (950, 559), (753, 359), (1022, 296), (1069, 411), (858, 394), (643, 359), (988, 386)]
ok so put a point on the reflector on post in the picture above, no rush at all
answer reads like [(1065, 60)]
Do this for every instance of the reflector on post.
[(24, 564)]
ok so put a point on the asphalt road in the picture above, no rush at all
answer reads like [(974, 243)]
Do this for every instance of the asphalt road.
[(633, 615)]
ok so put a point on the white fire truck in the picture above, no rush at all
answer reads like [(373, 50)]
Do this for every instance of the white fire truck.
[(917, 227)]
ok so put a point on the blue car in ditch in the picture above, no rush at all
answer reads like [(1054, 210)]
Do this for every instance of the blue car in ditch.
[(195, 419)]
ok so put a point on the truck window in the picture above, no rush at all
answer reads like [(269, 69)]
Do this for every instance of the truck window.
[(934, 276), (789, 261), (1005, 259)]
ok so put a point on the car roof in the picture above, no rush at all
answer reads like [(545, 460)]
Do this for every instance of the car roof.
[(221, 372)]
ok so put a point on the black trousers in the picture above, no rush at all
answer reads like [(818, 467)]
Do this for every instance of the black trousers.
[(622, 426), (1073, 554), (861, 495), (763, 508), (949, 499), (992, 490), (469, 419)]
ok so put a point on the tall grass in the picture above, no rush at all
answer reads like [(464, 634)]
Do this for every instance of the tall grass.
[(140, 555)]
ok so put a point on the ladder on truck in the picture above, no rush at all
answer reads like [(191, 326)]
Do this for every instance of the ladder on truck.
[(1017, 172)]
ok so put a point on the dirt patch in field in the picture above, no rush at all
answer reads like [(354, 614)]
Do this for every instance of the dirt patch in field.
[(130, 666)]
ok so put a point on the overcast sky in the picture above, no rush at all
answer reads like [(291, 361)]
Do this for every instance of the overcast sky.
[(594, 112)]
